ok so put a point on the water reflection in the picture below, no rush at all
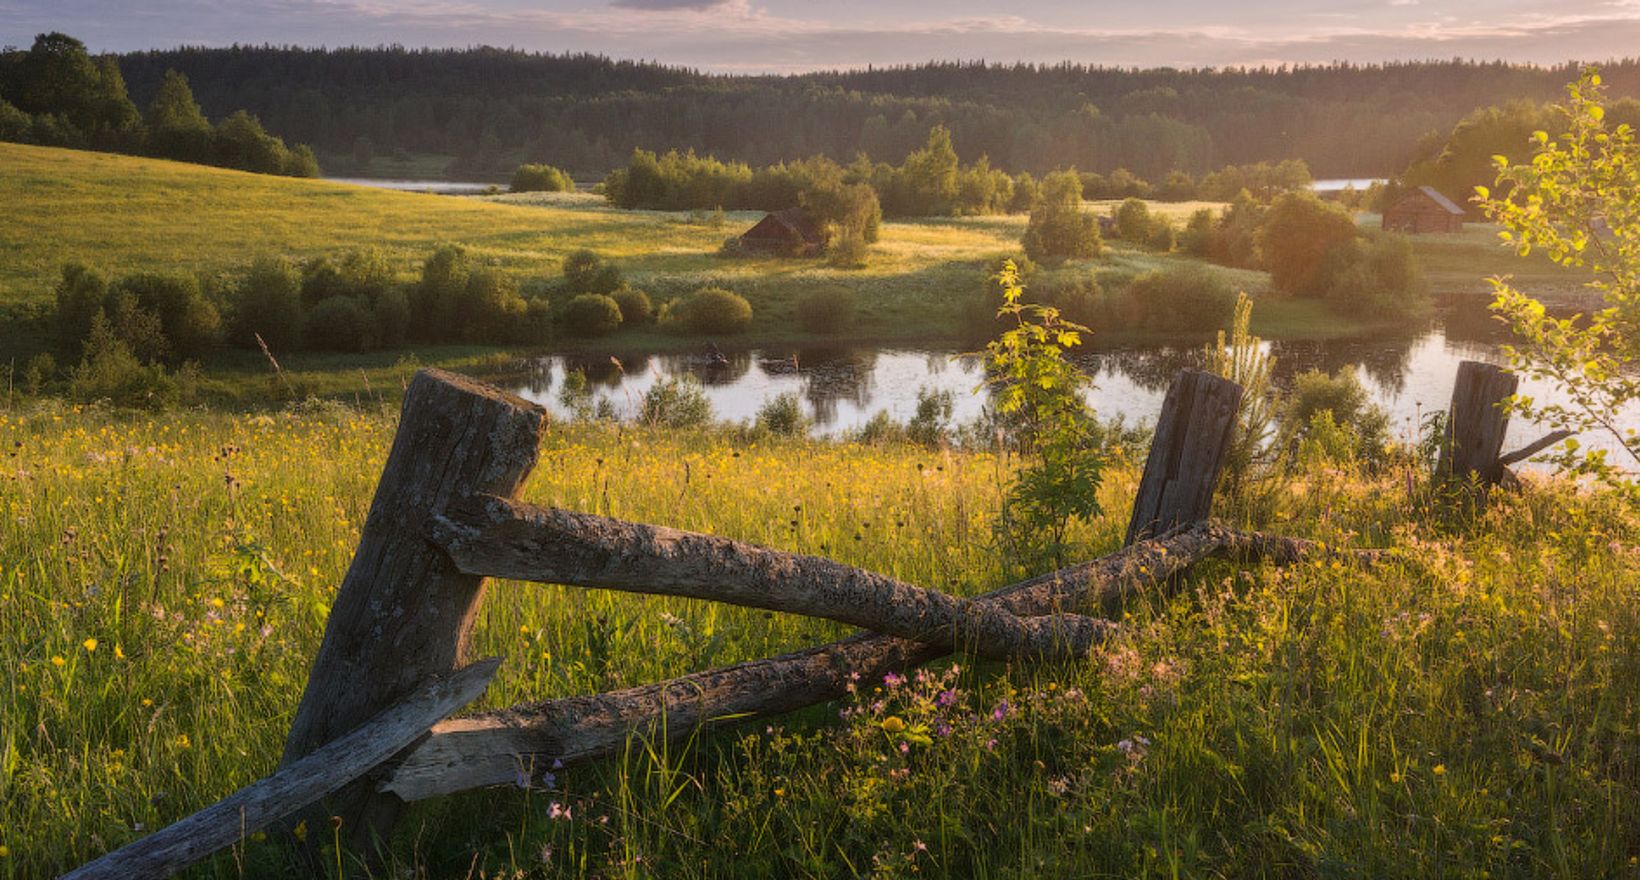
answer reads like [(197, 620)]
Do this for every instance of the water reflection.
[(1409, 375)]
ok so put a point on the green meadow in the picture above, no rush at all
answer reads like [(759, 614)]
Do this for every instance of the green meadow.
[(122, 214), (1464, 709)]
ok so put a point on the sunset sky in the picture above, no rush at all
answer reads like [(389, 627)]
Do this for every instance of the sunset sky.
[(791, 35)]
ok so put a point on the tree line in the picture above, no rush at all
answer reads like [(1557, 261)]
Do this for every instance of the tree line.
[(492, 108), (56, 94)]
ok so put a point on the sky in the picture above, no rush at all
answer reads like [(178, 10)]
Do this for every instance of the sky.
[(751, 36)]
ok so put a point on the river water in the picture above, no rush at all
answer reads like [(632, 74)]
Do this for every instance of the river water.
[(842, 387)]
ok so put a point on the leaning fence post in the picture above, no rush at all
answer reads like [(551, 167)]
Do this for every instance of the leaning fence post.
[(1476, 423), (404, 612), (1192, 436)]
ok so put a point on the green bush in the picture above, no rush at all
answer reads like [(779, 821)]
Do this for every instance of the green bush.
[(1321, 409), (435, 302), (392, 313), (188, 320), (541, 178), (1296, 237), (80, 295), (341, 323), (826, 310), (676, 403), (591, 314), (635, 305), (783, 416), (1078, 297), (1376, 276), (708, 310), (111, 372), (1059, 229), (586, 272), (1187, 298), (1133, 221), (491, 309), (268, 303), (931, 424)]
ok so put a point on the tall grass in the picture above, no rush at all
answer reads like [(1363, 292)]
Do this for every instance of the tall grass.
[(1468, 710)]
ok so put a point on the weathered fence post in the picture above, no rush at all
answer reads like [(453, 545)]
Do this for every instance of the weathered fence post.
[(1192, 435), (404, 611), (1476, 423)]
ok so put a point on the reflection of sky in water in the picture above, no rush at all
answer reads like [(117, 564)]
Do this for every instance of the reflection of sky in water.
[(843, 388)]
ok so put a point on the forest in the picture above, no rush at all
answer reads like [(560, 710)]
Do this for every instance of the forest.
[(490, 109)]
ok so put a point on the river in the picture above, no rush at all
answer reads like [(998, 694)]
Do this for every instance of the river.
[(842, 387)]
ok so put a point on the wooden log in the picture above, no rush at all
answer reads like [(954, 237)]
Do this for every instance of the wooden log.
[(1534, 447), (1476, 423), (1192, 436), (295, 785), (494, 747), (404, 612), (492, 536)]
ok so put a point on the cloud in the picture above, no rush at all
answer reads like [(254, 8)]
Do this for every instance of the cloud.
[(671, 5), (731, 36)]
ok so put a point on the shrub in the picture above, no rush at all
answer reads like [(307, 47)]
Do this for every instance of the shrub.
[(341, 323), (1197, 237), (676, 403), (392, 313), (1059, 229), (635, 305), (268, 303), (1078, 298), (111, 372), (80, 295), (880, 428), (1162, 236), (586, 272), (1375, 276), (1296, 237), (783, 416), (41, 369), (1133, 221), (541, 178), (826, 310), (932, 422), (435, 301), (491, 308), (1186, 298), (188, 321), (708, 310), (1343, 400), (591, 314)]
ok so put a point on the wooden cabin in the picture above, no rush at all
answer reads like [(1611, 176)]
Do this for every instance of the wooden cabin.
[(790, 232), (1423, 210)]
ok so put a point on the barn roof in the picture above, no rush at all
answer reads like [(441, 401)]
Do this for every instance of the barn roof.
[(796, 222), (1436, 197)]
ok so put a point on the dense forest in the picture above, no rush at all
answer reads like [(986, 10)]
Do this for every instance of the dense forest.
[(493, 108), (56, 94)]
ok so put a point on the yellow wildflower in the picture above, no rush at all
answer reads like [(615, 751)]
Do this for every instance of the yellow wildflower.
[(89, 645), (893, 724), (58, 661), (1440, 770)]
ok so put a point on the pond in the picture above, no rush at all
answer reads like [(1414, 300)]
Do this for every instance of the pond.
[(841, 388), (441, 187)]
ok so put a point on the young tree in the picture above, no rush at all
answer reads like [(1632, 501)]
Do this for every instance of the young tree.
[(177, 128), (1578, 200), (931, 174), (1298, 233), (1059, 229)]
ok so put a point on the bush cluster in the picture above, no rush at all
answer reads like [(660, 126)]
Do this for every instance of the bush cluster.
[(541, 178), (827, 310), (710, 310)]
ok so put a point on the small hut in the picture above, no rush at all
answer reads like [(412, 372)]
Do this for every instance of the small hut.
[(790, 232), (1423, 210)]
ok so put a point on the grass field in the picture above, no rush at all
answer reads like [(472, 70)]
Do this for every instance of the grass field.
[(123, 214), (1465, 710), (1460, 264)]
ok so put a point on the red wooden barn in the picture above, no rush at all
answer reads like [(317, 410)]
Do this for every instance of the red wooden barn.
[(1423, 210), (791, 232)]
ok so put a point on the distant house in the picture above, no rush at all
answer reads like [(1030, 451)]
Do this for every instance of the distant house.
[(790, 232), (1423, 210)]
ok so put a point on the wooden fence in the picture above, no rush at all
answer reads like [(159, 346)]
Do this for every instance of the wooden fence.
[(372, 730)]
